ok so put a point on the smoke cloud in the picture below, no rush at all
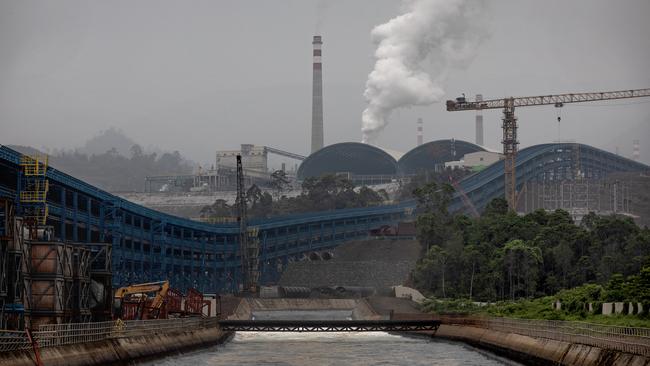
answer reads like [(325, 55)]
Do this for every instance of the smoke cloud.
[(444, 32)]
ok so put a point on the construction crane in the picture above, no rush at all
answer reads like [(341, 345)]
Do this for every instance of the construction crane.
[(248, 244), (509, 125)]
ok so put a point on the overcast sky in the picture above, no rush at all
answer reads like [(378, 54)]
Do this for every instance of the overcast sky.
[(197, 76)]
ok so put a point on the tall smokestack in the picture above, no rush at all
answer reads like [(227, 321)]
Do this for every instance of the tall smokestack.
[(636, 151), (419, 131), (317, 98), (479, 122)]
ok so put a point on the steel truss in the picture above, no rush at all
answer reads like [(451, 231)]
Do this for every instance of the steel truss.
[(329, 325)]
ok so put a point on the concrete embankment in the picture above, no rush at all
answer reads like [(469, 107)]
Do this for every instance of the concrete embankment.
[(354, 308), (118, 351), (528, 350), (538, 351)]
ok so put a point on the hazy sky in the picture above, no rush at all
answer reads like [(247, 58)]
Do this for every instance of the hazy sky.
[(197, 76)]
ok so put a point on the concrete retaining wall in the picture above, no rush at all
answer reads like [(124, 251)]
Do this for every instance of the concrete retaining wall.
[(359, 307), (119, 351), (537, 351)]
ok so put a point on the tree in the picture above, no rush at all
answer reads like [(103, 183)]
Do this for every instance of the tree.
[(279, 182), (521, 261), (434, 198), (498, 206), (430, 272), (218, 210), (253, 195), (472, 256), (434, 221)]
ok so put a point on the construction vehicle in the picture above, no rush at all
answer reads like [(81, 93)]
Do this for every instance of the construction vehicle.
[(134, 302), (509, 125)]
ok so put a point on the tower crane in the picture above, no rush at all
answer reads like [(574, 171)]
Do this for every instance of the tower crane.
[(249, 246), (509, 125)]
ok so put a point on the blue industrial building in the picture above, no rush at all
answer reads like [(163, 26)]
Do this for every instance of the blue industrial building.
[(148, 245)]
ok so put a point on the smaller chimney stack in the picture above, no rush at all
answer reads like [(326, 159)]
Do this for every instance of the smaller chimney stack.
[(419, 131), (636, 151), (479, 122), (317, 140)]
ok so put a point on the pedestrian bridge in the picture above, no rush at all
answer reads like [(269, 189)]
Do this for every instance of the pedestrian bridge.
[(329, 325)]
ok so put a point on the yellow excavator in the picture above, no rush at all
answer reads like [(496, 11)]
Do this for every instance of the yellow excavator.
[(134, 302)]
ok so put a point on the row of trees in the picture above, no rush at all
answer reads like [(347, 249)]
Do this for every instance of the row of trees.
[(502, 255), (115, 172), (328, 192)]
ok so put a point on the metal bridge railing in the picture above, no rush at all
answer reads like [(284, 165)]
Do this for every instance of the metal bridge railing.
[(624, 339), (50, 335)]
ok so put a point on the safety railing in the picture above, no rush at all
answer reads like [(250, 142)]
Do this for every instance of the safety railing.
[(11, 340), (49, 335), (624, 339)]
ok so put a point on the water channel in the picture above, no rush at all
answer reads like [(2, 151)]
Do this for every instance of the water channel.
[(373, 348)]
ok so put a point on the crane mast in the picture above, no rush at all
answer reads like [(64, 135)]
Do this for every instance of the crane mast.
[(248, 244), (509, 119)]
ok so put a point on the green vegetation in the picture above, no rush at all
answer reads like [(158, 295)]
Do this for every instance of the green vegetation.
[(575, 306), (522, 264), (406, 191), (328, 192), (114, 162), (117, 173)]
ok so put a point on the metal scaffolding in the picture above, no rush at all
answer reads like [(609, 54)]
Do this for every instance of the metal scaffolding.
[(578, 197)]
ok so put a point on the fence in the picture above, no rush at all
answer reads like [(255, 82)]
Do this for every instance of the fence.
[(49, 335), (11, 340), (624, 339), (631, 340)]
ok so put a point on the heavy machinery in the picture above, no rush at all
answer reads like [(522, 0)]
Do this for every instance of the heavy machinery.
[(510, 121), (140, 301)]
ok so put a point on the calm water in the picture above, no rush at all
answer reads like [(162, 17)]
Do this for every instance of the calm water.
[(375, 348)]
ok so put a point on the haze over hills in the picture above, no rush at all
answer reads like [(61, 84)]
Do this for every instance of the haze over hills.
[(114, 162)]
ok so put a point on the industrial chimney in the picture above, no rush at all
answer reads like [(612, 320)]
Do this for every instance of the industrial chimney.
[(479, 122), (317, 99), (419, 131), (636, 151)]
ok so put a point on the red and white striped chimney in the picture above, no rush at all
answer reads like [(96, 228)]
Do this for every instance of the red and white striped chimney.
[(420, 131), (317, 139), (636, 150)]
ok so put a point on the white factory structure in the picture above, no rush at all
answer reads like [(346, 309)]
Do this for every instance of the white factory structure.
[(253, 157), (476, 161)]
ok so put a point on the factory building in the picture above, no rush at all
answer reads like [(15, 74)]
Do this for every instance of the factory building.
[(353, 159), (368, 164), (476, 161), (253, 157), (433, 155)]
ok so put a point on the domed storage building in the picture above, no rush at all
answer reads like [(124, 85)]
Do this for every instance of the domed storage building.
[(363, 163), (433, 155)]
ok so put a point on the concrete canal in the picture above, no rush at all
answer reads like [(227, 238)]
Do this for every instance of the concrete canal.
[(375, 348)]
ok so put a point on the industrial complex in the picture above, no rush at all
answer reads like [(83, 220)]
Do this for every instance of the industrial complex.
[(71, 252)]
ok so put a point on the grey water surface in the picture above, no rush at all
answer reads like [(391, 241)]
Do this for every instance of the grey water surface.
[(372, 348)]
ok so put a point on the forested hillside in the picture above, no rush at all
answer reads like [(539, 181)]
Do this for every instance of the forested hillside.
[(114, 169), (504, 256)]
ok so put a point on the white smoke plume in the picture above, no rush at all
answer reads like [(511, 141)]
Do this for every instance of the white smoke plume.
[(444, 32)]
